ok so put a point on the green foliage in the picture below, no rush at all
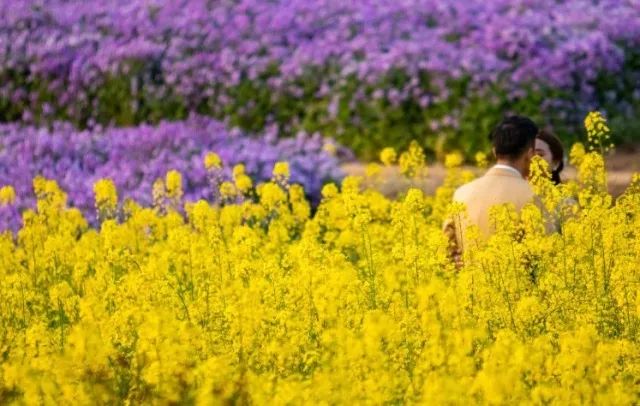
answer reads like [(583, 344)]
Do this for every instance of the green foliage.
[(359, 120)]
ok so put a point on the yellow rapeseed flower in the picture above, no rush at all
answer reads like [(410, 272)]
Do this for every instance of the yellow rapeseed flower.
[(281, 170), (412, 162), (227, 190), (238, 170), (243, 182), (271, 195), (598, 132), (453, 160), (173, 184), (388, 156), (576, 154), (329, 190), (7, 195), (106, 196), (212, 161), (481, 160)]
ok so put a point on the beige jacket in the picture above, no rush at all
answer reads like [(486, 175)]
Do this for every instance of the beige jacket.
[(497, 186)]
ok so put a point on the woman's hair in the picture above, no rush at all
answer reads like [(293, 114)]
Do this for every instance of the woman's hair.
[(557, 152)]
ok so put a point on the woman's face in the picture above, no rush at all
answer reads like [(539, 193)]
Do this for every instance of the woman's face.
[(544, 152)]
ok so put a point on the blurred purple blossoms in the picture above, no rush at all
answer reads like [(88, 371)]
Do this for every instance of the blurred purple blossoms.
[(198, 49)]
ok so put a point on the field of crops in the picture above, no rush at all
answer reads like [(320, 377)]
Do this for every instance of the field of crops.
[(252, 298), (177, 227)]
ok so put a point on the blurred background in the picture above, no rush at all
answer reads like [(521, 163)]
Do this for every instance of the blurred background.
[(129, 89)]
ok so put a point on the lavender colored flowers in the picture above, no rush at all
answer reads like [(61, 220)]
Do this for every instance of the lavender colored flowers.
[(198, 52)]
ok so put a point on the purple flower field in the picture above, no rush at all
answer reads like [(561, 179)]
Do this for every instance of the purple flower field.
[(135, 157), (57, 56), (199, 44)]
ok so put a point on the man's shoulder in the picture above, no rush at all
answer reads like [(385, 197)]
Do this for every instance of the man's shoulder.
[(519, 188), (465, 189), (522, 185)]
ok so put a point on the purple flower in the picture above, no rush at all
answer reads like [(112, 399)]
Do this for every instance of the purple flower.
[(198, 49)]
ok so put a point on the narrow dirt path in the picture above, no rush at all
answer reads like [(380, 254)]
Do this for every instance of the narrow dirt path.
[(621, 165)]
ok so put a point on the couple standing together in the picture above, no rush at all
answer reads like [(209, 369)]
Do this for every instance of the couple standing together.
[(516, 140)]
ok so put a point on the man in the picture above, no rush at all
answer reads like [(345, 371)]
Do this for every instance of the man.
[(513, 146)]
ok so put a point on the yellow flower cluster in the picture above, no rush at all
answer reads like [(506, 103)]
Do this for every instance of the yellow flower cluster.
[(106, 197), (598, 132), (281, 170), (212, 161), (173, 184), (481, 160), (242, 181), (388, 156), (7, 195), (259, 301), (412, 162), (453, 160)]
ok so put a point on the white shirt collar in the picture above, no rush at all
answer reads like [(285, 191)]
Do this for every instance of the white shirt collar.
[(508, 168)]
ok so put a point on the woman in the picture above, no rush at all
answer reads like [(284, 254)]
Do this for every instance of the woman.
[(549, 148)]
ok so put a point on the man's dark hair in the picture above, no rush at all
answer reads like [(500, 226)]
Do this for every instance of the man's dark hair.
[(513, 136)]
